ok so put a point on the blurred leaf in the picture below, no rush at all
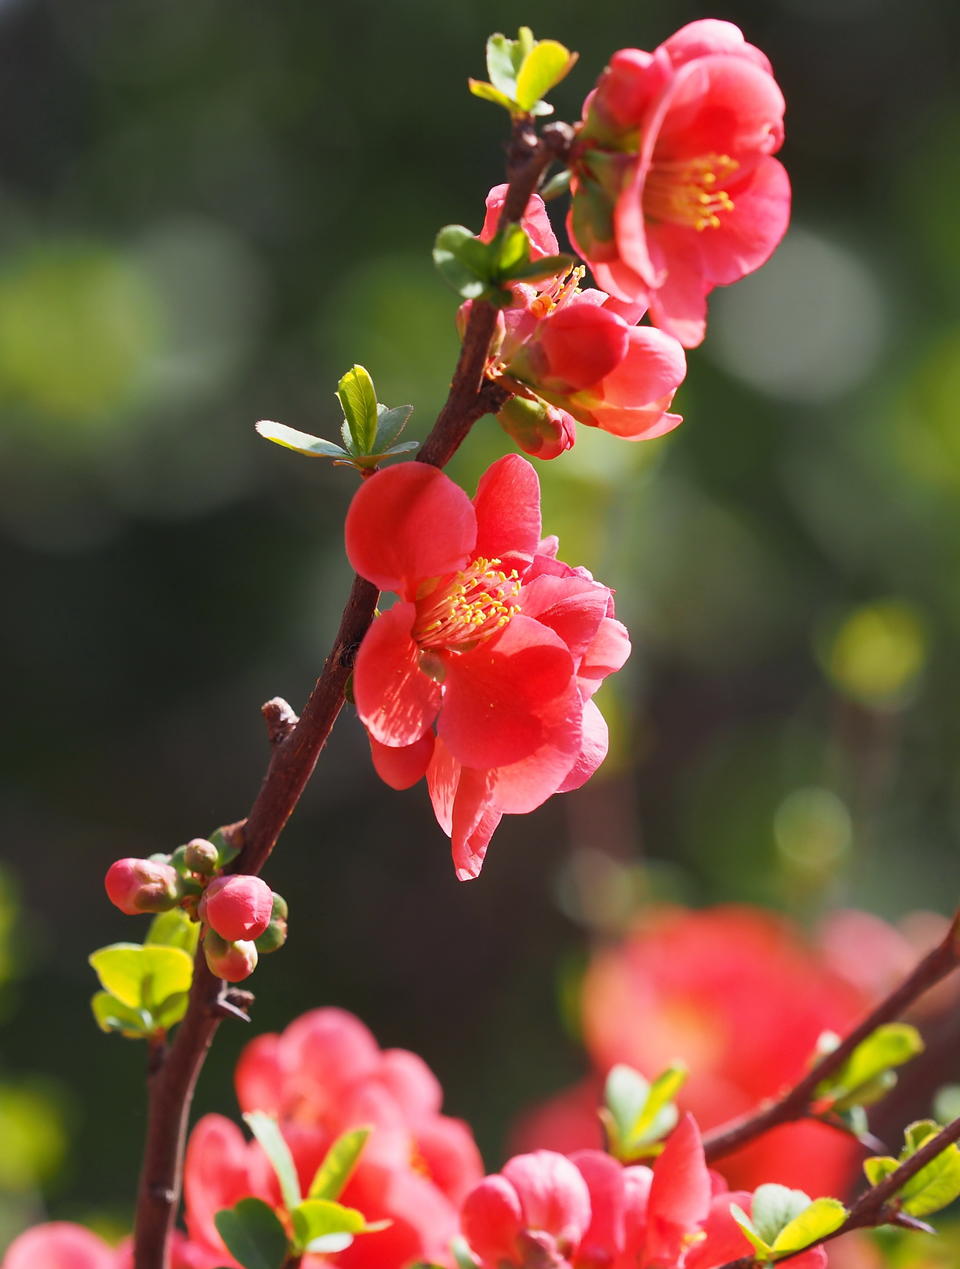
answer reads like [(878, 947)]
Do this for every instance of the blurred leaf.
[(142, 977), (358, 399), (338, 1164), (267, 1132), (487, 92), (502, 67), (545, 267), (637, 1114), (174, 929), (821, 1217), (112, 1014), (463, 261), (320, 1225), (556, 186), (543, 68), (774, 1208), (253, 1234), (34, 1136), (749, 1231), (866, 1075), (302, 442), (935, 1186)]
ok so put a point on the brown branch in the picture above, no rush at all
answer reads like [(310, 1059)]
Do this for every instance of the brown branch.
[(878, 1205), (797, 1101), (296, 746)]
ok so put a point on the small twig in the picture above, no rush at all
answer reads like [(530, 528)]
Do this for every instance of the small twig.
[(878, 1205), (797, 1101), (294, 754)]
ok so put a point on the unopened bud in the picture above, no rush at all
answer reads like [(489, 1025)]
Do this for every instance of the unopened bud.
[(232, 961), (237, 907), (201, 856), (142, 885), (275, 935), (538, 428)]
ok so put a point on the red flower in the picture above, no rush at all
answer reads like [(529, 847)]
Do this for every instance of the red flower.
[(675, 190), (495, 641)]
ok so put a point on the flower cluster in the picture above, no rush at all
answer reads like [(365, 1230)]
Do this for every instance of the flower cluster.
[(570, 356), (675, 188), (240, 915), (690, 985), (586, 1209), (481, 676)]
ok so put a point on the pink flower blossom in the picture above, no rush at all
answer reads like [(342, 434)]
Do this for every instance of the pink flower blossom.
[(675, 190), (501, 659), (60, 1245)]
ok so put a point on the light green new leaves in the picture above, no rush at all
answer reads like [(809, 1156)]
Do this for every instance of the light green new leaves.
[(480, 270), (784, 1221), (935, 1186), (867, 1075), (636, 1114), (522, 72), (338, 1164), (267, 1132), (144, 988), (174, 929), (320, 1225), (369, 429)]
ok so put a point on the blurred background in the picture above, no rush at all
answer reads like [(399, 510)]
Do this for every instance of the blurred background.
[(211, 210)]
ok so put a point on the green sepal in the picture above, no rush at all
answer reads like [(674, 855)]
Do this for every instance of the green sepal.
[(545, 267), (174, 929), (320, 1225), (637, 1114), (867, 1074), (267, 1132), (253, 1235), (338, 1164)]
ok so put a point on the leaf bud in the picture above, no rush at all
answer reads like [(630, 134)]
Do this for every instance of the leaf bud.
[(201, 856), (142, 885), (238, 907), (233, 961), (275, 935)]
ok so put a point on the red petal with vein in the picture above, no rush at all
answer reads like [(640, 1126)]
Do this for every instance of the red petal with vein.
[(571, 606), (748, 235), (401, 767), (593, 749), (407, 523), (536, 222), (475, 820), (679, 1193), (523, 786), (581, 343), (721, 105), (606, 654), (508, 512), (496, 696), (395, 699)]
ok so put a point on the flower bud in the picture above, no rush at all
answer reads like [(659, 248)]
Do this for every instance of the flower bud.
[(275, 935), (538, 428), (201, 856), (232, 961), (237, 907), (142, 885)]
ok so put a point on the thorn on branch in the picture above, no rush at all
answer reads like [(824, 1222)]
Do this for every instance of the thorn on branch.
[(233, 1002), (280, 719)]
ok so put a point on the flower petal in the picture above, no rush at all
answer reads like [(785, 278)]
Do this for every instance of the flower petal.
[(396, 701), (508, 512), (593, 748), (402, 766), (408, 523)]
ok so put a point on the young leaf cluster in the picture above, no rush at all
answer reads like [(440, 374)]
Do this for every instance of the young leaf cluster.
[(255, 1235), (522, 72), (934, 1186), (145, 987), (784, 1221), (867, 1075), (369, 431), (636, 1114), (481, 270)]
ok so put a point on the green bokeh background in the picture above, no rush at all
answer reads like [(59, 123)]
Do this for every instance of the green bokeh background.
[(209, 211)]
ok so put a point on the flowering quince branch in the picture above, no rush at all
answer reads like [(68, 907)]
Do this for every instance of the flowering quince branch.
[(296, 746), (797, 1102)]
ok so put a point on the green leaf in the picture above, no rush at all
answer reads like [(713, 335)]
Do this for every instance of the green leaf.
[(170, 1011), (267, 1132), (338, 1164), (390, 423), (459, 264), (547, 63), (302, 442), (403, 448), (918, 1134), (111, 1014), (500, 65), (227, 849), (557, 185), (487, 92), (320, 1225), (174, 929), (658, 1109), (142, 977), (624, 1097), (638, 1114), (822, 1217), (946, 1104), (750, 1231), (545, 267), (866, 1075), (509, 250), (253, 1234), (879, 1167), (774, 1208), (358, 400)]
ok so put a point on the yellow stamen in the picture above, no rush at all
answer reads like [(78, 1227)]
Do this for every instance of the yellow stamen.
[(687, 191), (467, 607)]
